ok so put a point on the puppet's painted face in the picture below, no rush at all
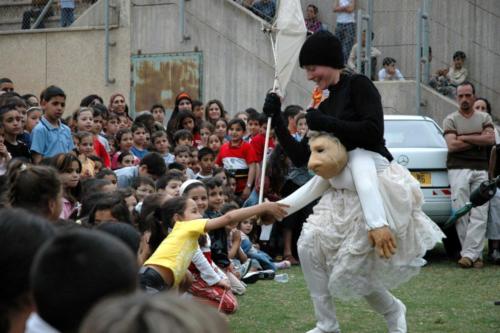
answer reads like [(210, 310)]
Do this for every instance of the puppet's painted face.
[(328, 156)]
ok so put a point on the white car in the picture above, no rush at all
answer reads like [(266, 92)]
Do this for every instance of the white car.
[(417, 143)]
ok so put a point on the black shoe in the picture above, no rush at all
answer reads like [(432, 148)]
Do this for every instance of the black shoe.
[(251, 277)]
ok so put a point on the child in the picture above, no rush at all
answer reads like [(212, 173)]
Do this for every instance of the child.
[(302, 127), (107, 174), (170, 184), (125, 142), (390, 72), (110, 128), (51, 137), (158, 112), (259, 140), (239, 158), (221, 127), (4, 153), (34, 114), (85, 150), (101, 144), (126, 159), (143, 187), (123, 121), (70, 168), (214, 143), (171, 260), (198, 112), (139, 140), (206, 129), (183, 156), (162, 147), (151, 165), (245, 227), (183, 137), (253, 125), (207, 158), (187, 121), (11, 121), (35, 188), (215, 196), (84, 121)]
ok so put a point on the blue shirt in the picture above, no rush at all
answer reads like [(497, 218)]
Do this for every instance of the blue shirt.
[(139, 153), (49, 140), (126, 176), (266, 10)]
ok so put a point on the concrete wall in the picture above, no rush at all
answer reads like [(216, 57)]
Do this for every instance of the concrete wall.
[(398, 97), (72, 58), (238, 66)]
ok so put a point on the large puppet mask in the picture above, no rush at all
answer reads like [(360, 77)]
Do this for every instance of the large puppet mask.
[(328, 155)]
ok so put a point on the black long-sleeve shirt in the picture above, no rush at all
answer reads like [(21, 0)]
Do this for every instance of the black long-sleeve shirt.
[(357, 119)]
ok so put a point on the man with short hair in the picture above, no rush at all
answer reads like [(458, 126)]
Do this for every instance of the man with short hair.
[(152, 165), (468, 134)]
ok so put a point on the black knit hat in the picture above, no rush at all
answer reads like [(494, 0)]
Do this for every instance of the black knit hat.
[(322, 48)]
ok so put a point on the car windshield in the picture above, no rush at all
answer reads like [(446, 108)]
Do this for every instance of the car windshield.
[(413, 134)]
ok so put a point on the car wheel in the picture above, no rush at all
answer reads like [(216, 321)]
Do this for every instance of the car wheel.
[(452, 243)]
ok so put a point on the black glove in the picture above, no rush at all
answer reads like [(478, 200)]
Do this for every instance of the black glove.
[(272, 105), (317, 121)]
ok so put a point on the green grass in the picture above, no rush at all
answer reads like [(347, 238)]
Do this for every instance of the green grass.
[(441, 299)]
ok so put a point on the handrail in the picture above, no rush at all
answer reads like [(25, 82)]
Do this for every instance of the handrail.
[(421, 53), (107, 44), (42, 14)]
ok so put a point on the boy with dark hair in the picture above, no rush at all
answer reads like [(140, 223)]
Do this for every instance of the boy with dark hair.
[(75, 270), (50, 136), (6, 85), (289, 116), (158, 112), (259, 140), (139, 148), (206, 157), (151, 165), (253, 125), (170, 184), (161, 145), (238, 157), (183, 137)]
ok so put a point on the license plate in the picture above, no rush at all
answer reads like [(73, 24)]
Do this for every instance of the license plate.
[(424, 178)]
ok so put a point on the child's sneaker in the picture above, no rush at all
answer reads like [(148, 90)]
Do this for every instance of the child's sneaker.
[(283, 264)]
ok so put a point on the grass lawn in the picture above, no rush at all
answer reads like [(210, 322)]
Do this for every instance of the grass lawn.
[(442, 298)]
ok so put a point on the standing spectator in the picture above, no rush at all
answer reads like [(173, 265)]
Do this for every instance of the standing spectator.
[(265, 9), (446, 80), (374, 54), (346, 26), (312, 22), (67, 12), (390, 72), (50, 136), (34, 13), (6, 85), (468, 134)]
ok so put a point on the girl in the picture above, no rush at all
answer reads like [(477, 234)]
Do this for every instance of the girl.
[(246, 227), (85, 150), (12, 123), (214, 143), (302, 127), (125, 142), (101, 144), (186, 120), (214, 110), (35, 188), (84, 122), (139, 140), (167, 267), (210, 282), (70, 168), (34, 115), (206, 129), (183, 102), (221, 130)]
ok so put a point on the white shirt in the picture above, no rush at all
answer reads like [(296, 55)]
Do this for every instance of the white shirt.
[(35, 324), (345, 17)]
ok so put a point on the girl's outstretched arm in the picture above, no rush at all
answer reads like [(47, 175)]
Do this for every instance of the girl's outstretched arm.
[(277, 210)]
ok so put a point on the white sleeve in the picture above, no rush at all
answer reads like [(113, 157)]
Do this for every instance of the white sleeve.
[(307, 193), (207, 272), (399, 75), (363, 165)]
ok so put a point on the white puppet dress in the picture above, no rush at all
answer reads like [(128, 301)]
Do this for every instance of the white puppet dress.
[(336, 233)]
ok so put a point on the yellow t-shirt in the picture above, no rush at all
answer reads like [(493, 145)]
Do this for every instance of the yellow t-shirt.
[(177, 250)]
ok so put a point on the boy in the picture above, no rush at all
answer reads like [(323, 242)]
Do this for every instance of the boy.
[(161, 145), (238, 157), (151, 165), (206, 157), (170, 184), (253, 124), (390, 72), (158, 112), (183, 137), (74, 271), (50, 136), (139, 136), (259, 140), (215, 196), (110, 128), (183, 156)]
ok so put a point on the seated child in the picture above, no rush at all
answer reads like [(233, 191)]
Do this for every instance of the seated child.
[(390, 72), (170, 184), (167, 267)]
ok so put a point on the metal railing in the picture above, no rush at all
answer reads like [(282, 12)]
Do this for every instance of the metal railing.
[(364, 59), (421, 52), (107, 44)]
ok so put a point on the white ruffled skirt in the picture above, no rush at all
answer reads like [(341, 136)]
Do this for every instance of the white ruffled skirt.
[(336, 230)]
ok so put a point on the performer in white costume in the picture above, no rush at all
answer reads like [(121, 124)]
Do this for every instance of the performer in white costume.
[(371, 203)]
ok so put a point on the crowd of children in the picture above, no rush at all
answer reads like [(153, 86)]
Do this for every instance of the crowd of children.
[(171, 189)]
